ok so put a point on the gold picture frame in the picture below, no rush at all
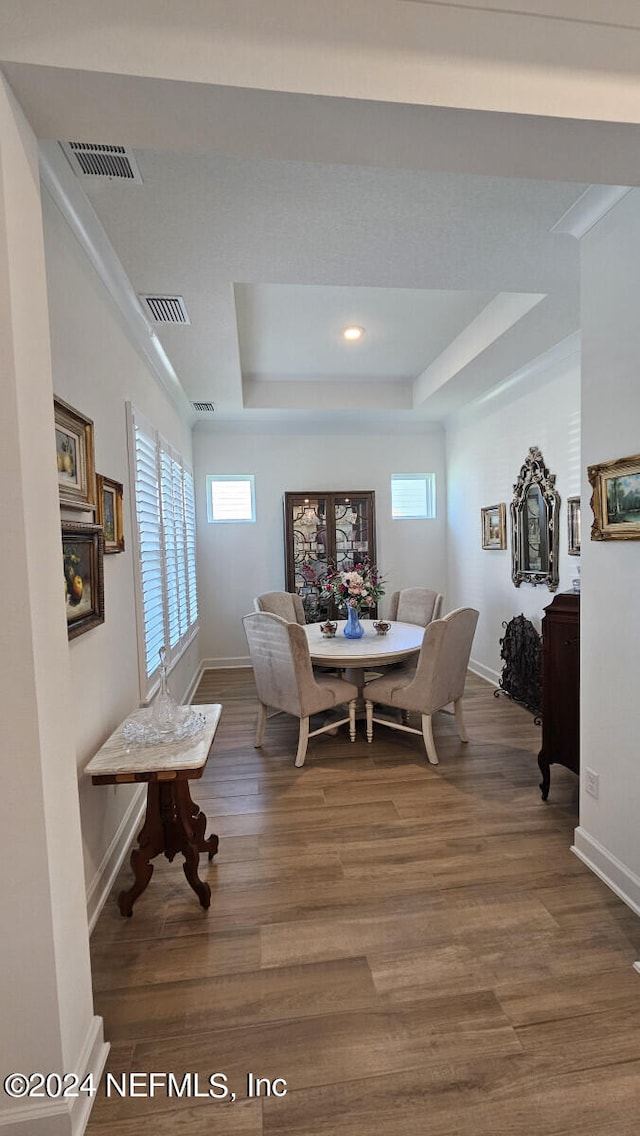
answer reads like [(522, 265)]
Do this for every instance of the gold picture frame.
[(74, 457), (109, 512), (494, 526), (82, 567), (615, 501)]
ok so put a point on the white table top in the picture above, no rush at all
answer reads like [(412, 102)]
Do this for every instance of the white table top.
[(126, 760), (401, 641)]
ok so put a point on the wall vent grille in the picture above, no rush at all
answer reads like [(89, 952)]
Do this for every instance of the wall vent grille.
[(166, 309), (96, 159), (203, 407)]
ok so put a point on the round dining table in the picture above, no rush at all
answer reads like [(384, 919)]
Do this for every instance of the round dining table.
[(372, 651)]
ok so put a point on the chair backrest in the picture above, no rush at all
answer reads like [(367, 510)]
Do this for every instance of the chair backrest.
[(416, 605), (281, 663), (442, 664), (288, 605)]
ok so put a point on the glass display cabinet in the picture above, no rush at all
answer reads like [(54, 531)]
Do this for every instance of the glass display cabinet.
[(322, 529)]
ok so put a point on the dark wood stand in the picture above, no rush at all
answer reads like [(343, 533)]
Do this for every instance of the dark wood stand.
[(560, 687), (173, 823)]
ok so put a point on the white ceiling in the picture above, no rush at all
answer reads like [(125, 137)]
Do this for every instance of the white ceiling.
[(458, 278), (295, 332)]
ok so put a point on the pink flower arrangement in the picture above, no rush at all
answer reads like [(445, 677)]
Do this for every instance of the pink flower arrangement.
[(359, 587)]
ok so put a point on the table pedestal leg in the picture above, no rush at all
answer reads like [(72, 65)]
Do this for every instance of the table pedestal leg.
[(173, 823), (356, 676)]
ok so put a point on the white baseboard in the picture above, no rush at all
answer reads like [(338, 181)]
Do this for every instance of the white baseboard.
[(193, 685), (222, 664), (608, 868), (92, 1060), (104, 878), (67, 1117), (487, 673)]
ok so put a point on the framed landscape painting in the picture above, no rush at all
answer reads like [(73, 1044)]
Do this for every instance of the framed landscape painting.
[(109, 512), (616, 499), (494, 526), (74, 457), (82, 566)]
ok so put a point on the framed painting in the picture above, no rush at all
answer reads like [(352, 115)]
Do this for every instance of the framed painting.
[(573, 526), (616, 499), (74, 457), (82, 565), (109, 513), (494, 526)]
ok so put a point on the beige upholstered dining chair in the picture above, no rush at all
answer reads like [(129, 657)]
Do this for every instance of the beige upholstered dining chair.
[(437, 680), (415, 605), (288, 605), (285, 679)]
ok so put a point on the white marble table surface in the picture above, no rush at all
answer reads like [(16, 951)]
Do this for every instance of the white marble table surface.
[(401, 642), (126, 760)]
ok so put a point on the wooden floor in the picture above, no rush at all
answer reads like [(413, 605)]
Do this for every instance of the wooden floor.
[(413, 949)]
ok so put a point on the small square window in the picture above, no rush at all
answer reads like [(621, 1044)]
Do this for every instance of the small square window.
[(230, 498), (413, 496)]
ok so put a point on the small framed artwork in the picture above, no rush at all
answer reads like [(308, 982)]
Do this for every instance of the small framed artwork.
[(616, 499), (109, 513), (82, 565), (74, 457), (494, 526), (573, 524)]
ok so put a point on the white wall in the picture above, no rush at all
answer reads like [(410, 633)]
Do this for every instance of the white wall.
[(486, 446), (96, 370), (237, 562), (610, 708), (47, 1012)]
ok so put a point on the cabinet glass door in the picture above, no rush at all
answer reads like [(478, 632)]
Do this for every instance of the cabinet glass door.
[(324, 529), (352, 531), (308, 551)]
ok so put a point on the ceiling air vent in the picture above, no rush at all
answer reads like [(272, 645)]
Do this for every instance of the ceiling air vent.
[(203, 407), (93, 159), (166, 309)]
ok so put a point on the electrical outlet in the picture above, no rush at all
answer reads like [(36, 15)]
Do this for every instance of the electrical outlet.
[(592, 783)]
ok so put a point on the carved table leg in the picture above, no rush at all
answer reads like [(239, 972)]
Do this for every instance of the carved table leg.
[(184, 828), (199, 822), (188, 838), (546, 775), (173, 823), (150, 844)]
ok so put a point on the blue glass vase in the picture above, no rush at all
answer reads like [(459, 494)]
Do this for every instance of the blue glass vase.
[(353, 628)]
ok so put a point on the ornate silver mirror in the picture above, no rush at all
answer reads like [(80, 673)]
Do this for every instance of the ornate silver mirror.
[(534, 524)]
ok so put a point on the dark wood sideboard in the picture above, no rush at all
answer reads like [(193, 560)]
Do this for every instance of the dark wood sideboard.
[(560, 687)]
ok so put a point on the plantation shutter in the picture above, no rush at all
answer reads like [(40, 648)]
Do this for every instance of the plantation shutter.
[(149, 525), (169, 525), (164, 508), (190, 545)]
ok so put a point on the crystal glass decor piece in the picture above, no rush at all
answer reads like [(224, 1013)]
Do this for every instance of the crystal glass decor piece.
[(164, 709), (142, 731), (165, 721)]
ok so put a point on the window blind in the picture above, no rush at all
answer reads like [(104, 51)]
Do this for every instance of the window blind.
[(230, 498), (413, 496), (164, 509)]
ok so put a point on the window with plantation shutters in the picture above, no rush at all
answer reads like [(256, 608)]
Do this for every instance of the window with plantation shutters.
[(231, 498), (413, 496), (164, 530)]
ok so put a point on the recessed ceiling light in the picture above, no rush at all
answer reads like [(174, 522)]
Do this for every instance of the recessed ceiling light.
[(352, 333)]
